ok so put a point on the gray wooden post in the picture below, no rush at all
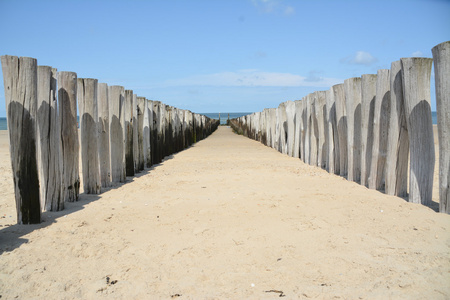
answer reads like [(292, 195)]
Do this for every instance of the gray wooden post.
[(148, 121), (314, 130), (135, 135), (20, 83), (281, 128), (380, 130), (416, 72), (87, 105), (304, 145), (352, 90), (333, 138), (398, 142), (368, 94), (341, 119), (322, 126), (116, 99), (140, 122), (49, 140), (129, 133), (273, 126), (67, 100), (441, 56), (298, 132), (103, 135), (290, 127)]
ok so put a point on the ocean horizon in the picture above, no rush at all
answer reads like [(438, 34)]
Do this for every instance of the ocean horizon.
[(223, 117)]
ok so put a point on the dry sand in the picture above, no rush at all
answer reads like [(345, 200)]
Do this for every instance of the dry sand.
[(227, 218)]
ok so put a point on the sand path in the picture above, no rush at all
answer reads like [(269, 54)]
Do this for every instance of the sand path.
[(228, 218)]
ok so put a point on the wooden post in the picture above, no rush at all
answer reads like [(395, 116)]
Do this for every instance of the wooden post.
[(416, 72), (304, 145), (341, 119), (290, 127), (148, 132), (333, 138), (314, 130), (281, 128), (352, 89), (298, 132), (380, 130), (135, 135), (320, 112), (129, 133), (67, 100), (20, 83), (103, 135), (87, 105), (441, 56), (368, 94), (273, 126), (116, 99), (140, 121), (49, 140), (398, 142)]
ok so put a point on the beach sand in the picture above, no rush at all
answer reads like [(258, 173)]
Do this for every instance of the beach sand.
[(228, 218)]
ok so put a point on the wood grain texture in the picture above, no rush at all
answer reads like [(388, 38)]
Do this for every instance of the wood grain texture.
[(333, 138), (103, 135), (322, 127), (352, 90), (368, 95), (398, 141), (67, 100), (20, 83), (441, 57), (416, 72), (129, 133), (49, 140), (341, 119), (116, 131), (87, 104)]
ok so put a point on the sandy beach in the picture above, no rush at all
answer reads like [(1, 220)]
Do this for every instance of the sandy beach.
[(228, 218)]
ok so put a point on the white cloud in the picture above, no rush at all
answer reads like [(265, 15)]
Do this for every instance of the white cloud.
[(253, 78), (418, 53), (360, 58), (273, 6)]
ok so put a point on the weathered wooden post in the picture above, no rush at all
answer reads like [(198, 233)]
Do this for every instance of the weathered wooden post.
[(352, 90), (116, 99), (416, 72), (49, 140), (298, 132), (273, 126), (129, 133), (140, 121), (314, 130), (67, 100), (398, 142), (441, 56), (88, 109), (281, 128), (103, 135), (333, 138), (304, 145), (368, 94), (380, 130), (320, 111), (341, 119), (135, 135), (290, 127), (148, 122), (20, 83)]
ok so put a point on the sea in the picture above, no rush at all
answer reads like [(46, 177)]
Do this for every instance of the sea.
[(223, 117)]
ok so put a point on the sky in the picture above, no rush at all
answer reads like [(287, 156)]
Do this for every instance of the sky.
[(222, 55)]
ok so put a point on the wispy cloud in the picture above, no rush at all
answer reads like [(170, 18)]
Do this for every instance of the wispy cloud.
[(273, 6), (417, 53), (254, 78), (360, 58)]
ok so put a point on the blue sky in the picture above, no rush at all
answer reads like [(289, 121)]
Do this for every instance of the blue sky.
[(222, 55)]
